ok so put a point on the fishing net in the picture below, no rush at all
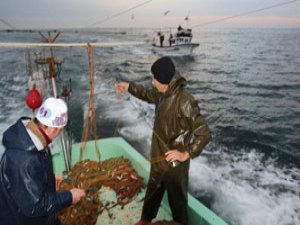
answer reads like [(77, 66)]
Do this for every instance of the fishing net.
[(115, 173)]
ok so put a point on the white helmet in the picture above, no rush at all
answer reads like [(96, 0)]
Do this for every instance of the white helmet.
[(53, 113)]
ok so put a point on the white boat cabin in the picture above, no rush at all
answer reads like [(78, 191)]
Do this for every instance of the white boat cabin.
[(168, 39)]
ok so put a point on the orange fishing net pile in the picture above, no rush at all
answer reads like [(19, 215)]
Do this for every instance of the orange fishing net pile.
[(116, 173)]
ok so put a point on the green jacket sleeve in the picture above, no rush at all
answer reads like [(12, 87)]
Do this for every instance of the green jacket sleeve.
[(146, 94), (199, 129)]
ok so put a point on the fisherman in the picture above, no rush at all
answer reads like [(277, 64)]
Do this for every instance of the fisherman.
[(179, 31), (179, 134), (170, 40), (28, 187), (161, 39)]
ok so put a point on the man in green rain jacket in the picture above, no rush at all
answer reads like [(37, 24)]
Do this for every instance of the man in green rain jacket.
[(179, 134)]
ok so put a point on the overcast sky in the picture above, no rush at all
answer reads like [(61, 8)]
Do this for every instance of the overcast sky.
[(90, 13)]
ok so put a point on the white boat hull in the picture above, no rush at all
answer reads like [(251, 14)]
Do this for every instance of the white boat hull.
[(175, 50)]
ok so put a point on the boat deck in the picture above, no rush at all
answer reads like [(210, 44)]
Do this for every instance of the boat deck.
[(129, 214), (117, 215)]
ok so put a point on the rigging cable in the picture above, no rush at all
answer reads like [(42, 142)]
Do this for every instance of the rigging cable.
[(120, 13), (246, 13), (7, 24), (90, 118)]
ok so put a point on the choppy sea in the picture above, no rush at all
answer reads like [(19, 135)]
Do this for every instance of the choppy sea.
[(247, 83)]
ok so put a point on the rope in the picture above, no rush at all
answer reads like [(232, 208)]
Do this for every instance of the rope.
[(120, 97), (7, 24), (246, 13), (120, 13), (90, 122), (121, 101)]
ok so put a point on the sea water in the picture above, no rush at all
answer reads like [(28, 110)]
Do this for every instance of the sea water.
[(247, 84)]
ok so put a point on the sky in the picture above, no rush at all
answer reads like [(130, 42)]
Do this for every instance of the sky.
[(57, 14)]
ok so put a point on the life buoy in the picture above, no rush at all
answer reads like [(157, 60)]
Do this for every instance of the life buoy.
[(34, 99)]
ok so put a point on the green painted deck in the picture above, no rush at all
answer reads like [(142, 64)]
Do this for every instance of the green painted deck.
[(115, 147)]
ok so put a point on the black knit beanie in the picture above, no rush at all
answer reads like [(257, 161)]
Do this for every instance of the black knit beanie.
[(163, 70)]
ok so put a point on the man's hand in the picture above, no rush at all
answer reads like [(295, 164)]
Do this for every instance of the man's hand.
[(58, 180), (77, 194), (173, 155), (122, 87)]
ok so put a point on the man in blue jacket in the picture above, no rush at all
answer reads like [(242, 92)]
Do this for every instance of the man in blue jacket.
[(27, 184)]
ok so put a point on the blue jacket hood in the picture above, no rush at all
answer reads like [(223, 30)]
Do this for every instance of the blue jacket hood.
[(16, 137)]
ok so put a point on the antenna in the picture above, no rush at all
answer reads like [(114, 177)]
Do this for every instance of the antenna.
[(187, 19)]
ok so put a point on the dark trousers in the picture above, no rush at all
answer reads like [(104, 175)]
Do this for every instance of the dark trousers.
[(175, 182)]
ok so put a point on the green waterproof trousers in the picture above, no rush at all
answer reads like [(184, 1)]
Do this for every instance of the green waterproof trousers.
[(175, 182)]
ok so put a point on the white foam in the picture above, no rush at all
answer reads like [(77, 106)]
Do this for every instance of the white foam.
[(245, 191)]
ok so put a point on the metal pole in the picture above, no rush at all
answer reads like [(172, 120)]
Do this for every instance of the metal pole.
[(66, 151)]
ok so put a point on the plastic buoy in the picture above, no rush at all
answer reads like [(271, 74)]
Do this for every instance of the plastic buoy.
[(34, 99)]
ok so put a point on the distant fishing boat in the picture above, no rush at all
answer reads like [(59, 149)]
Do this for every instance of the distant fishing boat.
[(116, 147), (178, 43)]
